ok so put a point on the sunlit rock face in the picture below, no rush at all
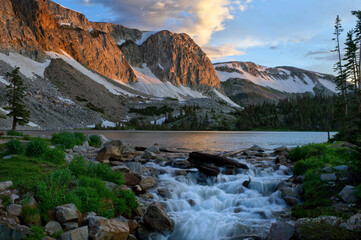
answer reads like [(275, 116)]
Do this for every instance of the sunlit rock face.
[(46, 26), (178, 59)]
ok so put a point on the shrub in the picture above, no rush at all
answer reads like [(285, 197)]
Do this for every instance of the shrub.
[(307, 151), (14, 133), (37, 232), (88, 199), (31, 216), (95, 141), (64, 139), (36, 147), (79, 138), (125, 202), (14, 147), (79, 167), (56, 156)]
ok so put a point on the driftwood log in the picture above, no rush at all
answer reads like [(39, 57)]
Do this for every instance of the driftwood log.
[(208, 163)]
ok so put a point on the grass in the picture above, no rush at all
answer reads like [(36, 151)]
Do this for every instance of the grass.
[(25, 171), (310, 160)]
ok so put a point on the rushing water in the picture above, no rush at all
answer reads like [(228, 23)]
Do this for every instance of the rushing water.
[(221, 208)]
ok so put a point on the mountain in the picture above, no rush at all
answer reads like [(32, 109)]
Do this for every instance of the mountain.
[(249, 83), (98, 70)]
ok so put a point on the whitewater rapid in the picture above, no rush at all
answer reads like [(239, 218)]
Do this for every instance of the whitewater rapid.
[(214, 208)]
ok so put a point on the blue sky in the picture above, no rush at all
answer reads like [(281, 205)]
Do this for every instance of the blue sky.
[(268, 32)]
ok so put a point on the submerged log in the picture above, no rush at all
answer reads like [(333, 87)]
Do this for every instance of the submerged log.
[(208, 170), (196, 157)]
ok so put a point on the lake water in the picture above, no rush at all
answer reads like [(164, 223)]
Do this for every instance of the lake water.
[(212, 141)]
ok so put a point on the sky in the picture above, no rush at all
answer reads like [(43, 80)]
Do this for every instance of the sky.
[(267, 32)]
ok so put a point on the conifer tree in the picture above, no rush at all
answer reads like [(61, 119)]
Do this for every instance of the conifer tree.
[(15, 95)]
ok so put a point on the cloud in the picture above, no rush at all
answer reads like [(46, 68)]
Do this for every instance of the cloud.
[(324, 55), (198, 18), (221, 51)]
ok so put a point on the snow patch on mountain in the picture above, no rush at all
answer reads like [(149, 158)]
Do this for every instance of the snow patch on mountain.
[(3, 81), (95, 77), (144, 37), (28, 67), (226, 99), (149, 84), (276, 78)]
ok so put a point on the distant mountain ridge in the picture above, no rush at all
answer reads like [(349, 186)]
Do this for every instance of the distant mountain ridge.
[(249, 82)]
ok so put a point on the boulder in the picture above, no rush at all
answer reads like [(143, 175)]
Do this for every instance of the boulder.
[(122, 169), (156, 218), (281, 149), (289, 192), (328, 177), (183, 164), (281, 159), (291, 201), (281, 230), (354, 222), (13, 233), (347, 194), (154, 149), (256, 148), (53, 227), (149, 155), (164, 192), (147, 182), (112, 149), (66, 213), (14, 210), (110, 185), (70, 226), (341, 168), (327, 169), (76, 234), (5, 185), (109, 229), (130, 179)]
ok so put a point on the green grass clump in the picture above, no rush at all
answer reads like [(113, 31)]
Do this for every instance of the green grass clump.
[(65, 140), (95, 141), (55, 155), (6, 200), (14, 133), (36, 147), (322, 230), (102, 171), (31, 216), (311, 159), (37, 233), (82, 184), (24, 171), (79, 138), (14, 147)]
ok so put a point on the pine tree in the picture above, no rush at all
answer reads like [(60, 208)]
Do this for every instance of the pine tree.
[(15, 95), (351, 59), (340, 80), (358, 63)]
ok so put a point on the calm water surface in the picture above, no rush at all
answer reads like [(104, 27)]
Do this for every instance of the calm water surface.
[(213, 141)]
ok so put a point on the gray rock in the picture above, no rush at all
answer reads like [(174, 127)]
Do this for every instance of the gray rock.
[(183, 164), (93, 219), (347, 194), (327, 169), (153, 149), (341, 168), (5, 185), (14, 210), (354, 222), (66, 213), (281, 231), (76, 234), (109, 229), (85, 144), (120, 169), (110, 185), (328, 177), (8, 233), (147, 182), (14, 197), (290, 192), (9, 157), (53, 227), (256, 148), (149, 155), (70, 226), (156, 218), (135, 167)]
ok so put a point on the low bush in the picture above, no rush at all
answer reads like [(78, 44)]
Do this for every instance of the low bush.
[(55, 155), (36, 148), (65, 140), (79, 138), (95, 141), (14, 133), (37, 232), (306, 151), (14, 147)]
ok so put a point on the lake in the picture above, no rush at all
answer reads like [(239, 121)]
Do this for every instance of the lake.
[(211, 141)]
